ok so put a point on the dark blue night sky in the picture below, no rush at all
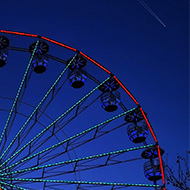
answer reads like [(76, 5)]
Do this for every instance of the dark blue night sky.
[(152, 61)]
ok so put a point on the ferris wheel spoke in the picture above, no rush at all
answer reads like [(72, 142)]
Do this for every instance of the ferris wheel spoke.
[(60, 125), (15, 112), (85, 162), (80, 109), (55, 121), (86, 166), (18, 95), (79, 141), (52, 88), (38, 114), (66, 141), (81, 182), (35, 121), (11, 185), (3, 188)]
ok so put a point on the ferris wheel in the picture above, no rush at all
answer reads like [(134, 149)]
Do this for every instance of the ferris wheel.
[(69, 123)]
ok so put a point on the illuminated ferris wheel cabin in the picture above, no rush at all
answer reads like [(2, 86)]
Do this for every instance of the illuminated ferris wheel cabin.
[(4, 43)]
